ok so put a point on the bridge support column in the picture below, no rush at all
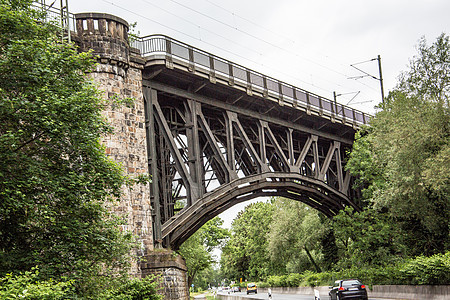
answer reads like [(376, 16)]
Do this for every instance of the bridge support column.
[(118, 74), (172, 270)]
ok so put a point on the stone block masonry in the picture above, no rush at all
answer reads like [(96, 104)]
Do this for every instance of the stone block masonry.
[(118, 75), (171, 269)]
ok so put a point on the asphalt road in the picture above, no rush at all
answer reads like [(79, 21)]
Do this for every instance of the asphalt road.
[(276, 296), (284, 296)]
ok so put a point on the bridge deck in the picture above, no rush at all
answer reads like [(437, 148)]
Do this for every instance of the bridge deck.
[(159, 49)]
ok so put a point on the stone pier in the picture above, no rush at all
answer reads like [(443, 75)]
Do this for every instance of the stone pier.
[(118, 74), (171, 268)]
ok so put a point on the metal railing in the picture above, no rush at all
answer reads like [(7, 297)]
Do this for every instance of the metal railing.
[(53, 14), (254, 81)]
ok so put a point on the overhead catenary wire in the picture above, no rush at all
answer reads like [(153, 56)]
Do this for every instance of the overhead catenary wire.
[(210, 44), (200, 27), (288, 38), (280, 34), (253, 36), (256, 37), (250, 21), (263, 40), (311, 84)]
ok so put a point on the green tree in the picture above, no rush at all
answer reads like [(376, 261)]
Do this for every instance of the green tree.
[(366, 238), (404, 157), (55, 179), (427, 77), (197, 249), (295, 236), (245, 254)]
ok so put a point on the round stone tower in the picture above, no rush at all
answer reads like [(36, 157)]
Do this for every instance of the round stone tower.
[(118, 74)]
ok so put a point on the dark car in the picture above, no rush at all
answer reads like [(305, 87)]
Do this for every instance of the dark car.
[(348, 289)]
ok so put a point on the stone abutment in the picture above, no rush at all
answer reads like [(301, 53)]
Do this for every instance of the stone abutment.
[(118, 75)]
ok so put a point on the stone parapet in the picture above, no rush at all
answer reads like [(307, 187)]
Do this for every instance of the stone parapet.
[(106, 35)]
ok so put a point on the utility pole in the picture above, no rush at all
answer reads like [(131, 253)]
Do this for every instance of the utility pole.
[(335, 103), (64, 16), (337, 95), (380, 79)]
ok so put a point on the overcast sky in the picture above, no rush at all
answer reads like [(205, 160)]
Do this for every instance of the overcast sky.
[(307, 43)]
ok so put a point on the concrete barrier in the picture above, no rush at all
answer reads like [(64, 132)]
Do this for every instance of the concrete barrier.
[(234, 297), (403, 292), (411, 292)]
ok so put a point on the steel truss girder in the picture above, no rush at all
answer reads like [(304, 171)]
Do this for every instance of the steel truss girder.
[(246, 154)]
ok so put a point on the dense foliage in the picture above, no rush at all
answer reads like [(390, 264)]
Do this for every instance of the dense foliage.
[(134, 289), (403, 159), (432, 270), (27, 286), (295, 237), (56, 181), (366, 238), (198, 249), (245, 255)]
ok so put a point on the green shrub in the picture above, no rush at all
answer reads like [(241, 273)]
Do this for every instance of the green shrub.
[(135, 289), (28, 286), (427, 270), (431, 270), (325, 278), (261, 284), (294, 279), (312, 279), (276, 280)]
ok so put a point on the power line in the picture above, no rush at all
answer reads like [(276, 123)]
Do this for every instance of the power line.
[(265, 41), (285, 37), (250, 21), (378, 58), (207, 43), (190, 22), (273, 32), (230, 52), (256, 37)]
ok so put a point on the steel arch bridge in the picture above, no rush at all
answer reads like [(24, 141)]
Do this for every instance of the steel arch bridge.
[(219, 134)]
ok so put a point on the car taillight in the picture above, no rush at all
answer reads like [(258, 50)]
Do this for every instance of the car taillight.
[(341, 288), (363, 286)]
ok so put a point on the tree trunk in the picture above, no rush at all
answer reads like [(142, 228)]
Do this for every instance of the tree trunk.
[(312, 260), (190, 279)]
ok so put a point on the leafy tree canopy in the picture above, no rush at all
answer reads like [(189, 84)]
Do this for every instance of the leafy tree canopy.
[(197, 249), (55, 179), (404, 157), (245, 254), (295, 236)]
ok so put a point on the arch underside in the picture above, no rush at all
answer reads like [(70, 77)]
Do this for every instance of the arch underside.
[(293, 186)]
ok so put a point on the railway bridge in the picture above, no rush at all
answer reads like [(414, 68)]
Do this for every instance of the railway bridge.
[(219, 134), (211, 134)]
